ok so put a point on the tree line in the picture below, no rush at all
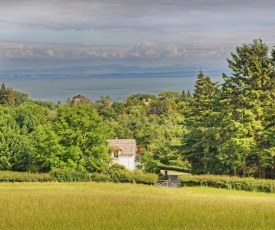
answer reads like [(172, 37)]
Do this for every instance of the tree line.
[(223, 128)]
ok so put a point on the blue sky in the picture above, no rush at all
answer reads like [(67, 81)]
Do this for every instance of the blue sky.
[(194, 34)]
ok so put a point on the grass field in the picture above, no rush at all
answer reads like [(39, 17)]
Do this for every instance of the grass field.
[(130, 206)]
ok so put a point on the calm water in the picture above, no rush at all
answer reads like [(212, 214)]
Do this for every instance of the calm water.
[(118, 88)]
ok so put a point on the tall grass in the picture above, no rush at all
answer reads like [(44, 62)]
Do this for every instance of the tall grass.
[(131, 206)]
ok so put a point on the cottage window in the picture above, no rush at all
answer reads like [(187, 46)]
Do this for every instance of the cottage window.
[(116, 153)]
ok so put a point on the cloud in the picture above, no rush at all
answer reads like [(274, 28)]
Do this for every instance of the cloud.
[(121, 15), (143, 50), (119, 22), (108, 30), (156, 50)]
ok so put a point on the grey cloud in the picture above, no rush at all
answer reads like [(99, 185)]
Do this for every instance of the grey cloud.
[(143, 50), (154, 15), (173, 31), (156, 50)]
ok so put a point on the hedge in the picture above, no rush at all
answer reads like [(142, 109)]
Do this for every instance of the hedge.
[(99, 177), (7, 176), (67, 175), (126, 177), (235, 183)]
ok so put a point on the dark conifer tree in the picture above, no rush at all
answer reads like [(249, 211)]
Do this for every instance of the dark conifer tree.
[(247, 101), (200, 142)]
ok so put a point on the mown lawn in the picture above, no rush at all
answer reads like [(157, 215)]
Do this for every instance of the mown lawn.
[(130, 206)]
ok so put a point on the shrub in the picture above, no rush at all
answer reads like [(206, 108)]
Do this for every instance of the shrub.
[(69, 175), (144, 178), (237, 183), (99, 177), (7, 176), (116, 167), (124, 176), (136, 176)]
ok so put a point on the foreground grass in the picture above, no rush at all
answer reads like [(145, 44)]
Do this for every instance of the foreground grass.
[(130, 206)]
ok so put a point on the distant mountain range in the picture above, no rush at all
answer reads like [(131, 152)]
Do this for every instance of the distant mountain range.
[(103, 70)]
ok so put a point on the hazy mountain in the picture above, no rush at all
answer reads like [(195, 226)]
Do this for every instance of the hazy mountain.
[(113, 69)]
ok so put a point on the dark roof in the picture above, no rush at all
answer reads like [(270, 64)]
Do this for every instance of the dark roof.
[(127, 146)]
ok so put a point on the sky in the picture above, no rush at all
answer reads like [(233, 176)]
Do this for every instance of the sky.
[(149, 33)]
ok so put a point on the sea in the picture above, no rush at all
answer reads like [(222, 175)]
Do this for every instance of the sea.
[(61, 88)]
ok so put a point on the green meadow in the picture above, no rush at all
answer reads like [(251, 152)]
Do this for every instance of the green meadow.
[(131, 206)]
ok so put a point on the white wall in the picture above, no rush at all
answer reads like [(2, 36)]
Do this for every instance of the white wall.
[(127, 161)]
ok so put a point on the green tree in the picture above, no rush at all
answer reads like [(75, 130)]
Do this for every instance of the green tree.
[(104, 108), (172, 95), (83, 136), (200, 140), (10, 97), (16, 143), (248, 109)]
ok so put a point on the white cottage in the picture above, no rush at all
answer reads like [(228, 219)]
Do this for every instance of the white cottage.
[(123, 151)]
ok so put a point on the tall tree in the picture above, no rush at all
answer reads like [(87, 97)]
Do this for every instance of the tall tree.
[(76, 138), (16, 143), (200, 142), (248, 108)]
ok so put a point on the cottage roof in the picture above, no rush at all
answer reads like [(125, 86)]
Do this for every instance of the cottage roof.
[(127, 146)]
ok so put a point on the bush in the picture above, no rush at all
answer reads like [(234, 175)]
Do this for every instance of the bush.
[(144, 178), (69, 175), (7, 176), (99, 177), (236, 183), (124, 176), (136, 176), (116, 167)]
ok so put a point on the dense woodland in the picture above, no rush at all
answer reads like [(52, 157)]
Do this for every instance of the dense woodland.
[(223, 128)]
